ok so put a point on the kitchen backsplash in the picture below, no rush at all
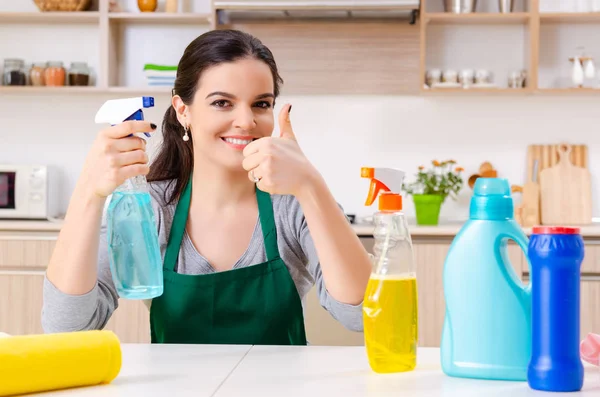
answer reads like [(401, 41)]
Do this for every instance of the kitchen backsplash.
[(340, 135)]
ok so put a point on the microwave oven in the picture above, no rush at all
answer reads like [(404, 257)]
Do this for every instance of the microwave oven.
[(28, 192)]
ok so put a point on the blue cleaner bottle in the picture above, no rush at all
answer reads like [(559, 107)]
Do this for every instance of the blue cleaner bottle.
[(135, 259), (555, 254), (487, 327)]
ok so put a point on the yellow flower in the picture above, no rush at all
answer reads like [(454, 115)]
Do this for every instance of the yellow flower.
[(421, 168), (435, 163), (459, 169)]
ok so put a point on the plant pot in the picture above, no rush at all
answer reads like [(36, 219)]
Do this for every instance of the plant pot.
[(427, 208)]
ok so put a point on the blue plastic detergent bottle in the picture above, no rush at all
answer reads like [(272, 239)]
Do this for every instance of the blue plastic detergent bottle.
[(134, 253), (487, 327), (555, 254)]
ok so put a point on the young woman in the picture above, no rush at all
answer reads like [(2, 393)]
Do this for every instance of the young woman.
[(246, 224)]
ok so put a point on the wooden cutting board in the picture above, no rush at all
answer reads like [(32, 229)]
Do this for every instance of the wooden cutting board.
[(566, 193), (547, 156)]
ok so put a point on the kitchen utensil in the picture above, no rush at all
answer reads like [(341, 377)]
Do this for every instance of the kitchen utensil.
[(450, 76), (531, 200), (472, 180), (588, 69), (460, 6), (547, 156), (566, 194), (433, 76), (466, 77), (486, 170), (489, 174), (516, 79), (486, 166), (483, 76), (506, 6), (577, 73)]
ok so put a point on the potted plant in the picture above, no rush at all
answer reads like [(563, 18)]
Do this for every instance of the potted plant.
[(431, 187)]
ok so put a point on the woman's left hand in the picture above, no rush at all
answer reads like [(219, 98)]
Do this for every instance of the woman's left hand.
[(278, 162)]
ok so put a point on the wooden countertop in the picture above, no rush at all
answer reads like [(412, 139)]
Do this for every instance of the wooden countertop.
[(363, 230)]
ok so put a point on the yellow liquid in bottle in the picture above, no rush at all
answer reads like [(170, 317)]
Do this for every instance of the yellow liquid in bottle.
[(391, 322)]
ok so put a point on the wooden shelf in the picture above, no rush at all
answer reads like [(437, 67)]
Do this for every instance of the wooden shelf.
[(515, 18), (50, 17), (569, 91), (570, 17), (140, 90), (49, 90), (476, 91), (510, 91), (84, 90), (374, 5), (161, 17)]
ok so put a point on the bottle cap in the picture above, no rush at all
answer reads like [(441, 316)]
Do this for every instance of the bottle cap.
[(390, 202), (555, 230), (491, 200)]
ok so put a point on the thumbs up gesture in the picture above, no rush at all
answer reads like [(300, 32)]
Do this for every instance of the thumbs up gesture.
[(277, 164)]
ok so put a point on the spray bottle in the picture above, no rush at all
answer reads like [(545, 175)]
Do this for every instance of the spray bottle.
[(135, 259), (390, 313)]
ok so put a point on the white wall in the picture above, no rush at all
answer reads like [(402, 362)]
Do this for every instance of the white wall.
[(341, 134)]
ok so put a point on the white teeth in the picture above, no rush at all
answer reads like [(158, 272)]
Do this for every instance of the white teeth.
[(238, 141)]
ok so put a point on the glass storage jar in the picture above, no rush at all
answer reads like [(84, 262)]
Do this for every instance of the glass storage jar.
[(55, 74), (14, 72), (79, 74), (36, 74)]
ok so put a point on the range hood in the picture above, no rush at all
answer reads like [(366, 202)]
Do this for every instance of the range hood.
[(231, 10)]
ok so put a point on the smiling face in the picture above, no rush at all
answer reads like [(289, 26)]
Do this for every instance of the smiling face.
[(233, 106)]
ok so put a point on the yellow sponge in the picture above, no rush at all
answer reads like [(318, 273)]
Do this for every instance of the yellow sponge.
[(36, 363)]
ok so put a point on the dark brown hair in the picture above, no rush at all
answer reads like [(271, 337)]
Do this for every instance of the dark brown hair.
[(175, 159)]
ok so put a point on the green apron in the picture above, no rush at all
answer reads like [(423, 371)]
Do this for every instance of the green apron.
[(254, 305)]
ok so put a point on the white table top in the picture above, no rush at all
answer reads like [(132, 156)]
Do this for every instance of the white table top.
[(224, 371)]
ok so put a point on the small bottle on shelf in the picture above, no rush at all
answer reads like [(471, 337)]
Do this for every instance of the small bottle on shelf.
[(36, 74), (79, 74), (14, 72), (55, 74)]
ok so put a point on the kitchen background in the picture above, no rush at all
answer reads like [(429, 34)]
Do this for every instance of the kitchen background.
[(339, 133)]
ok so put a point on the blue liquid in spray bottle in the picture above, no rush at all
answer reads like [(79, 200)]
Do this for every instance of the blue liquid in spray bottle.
[(134, 253)]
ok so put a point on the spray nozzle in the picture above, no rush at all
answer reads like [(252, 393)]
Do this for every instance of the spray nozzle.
[(116, 111), (388, 183)]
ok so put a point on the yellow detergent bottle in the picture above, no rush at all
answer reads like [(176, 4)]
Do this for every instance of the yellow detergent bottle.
[(390, 313)]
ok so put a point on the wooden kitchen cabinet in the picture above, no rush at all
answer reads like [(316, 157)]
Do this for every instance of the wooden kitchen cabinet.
[(23, 261), (130, 322), (591, 259), (21, 303), (26, 251), (590, 307), (430, 265)]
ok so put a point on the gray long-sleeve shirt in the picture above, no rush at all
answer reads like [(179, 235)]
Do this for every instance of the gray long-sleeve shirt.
[(62, 312)]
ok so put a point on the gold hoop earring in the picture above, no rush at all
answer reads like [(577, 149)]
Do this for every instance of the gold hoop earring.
[(186, 136)]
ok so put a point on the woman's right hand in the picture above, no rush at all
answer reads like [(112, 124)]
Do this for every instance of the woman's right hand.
[(115, 157)]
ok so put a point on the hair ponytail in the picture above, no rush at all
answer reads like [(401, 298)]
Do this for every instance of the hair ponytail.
[(175, 159)]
